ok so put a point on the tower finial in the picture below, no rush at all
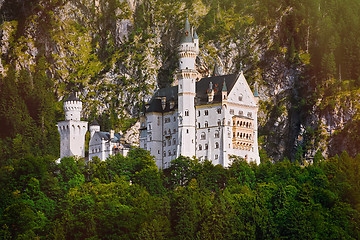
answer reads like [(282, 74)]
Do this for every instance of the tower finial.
[(224, 88), (256, 93), (186, 35)]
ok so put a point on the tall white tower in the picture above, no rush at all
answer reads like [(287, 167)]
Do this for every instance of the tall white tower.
[(72, 130), (188, 50)]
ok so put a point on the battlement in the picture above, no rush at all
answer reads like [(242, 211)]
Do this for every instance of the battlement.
[(72, 110)]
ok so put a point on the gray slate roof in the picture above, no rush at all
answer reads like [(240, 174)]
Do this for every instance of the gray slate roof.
[(202, 86), (186, 35), (72, 97), (116, 139)]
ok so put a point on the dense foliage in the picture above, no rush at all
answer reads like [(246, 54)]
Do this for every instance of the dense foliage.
[(128, 198)]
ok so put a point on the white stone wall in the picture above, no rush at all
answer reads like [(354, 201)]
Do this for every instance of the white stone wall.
[(209, 124), (72, 138), (154, 136)]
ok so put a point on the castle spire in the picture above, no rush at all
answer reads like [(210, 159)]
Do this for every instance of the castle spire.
[(186, 35)]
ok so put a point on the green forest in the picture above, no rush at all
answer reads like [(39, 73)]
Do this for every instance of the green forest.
[(128, 198), (305, 57)]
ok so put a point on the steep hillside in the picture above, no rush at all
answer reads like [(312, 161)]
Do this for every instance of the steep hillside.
[(304, 55)]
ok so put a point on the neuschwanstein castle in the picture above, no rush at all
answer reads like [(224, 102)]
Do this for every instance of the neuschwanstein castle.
[(210, 118)]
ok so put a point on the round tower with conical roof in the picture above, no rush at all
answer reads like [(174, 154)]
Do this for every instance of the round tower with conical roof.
[(187, 74)]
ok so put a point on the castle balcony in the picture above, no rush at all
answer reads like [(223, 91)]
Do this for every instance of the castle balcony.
[(187, 48), (187, 74)]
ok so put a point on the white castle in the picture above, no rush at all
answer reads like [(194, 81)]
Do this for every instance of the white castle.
[(211, 118), (73, 130)]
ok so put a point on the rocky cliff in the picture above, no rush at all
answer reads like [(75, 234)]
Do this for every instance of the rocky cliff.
[(117, 52)]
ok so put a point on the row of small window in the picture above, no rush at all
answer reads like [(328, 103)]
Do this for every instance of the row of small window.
[(95, 150), (242, 124), (169, 142), (168, 119), (207, 124), (240, 113), (203, 135), (242, 146), (206, 112), (242, 135), (169, 153), (206, 146), (206, 158), (169, 131)]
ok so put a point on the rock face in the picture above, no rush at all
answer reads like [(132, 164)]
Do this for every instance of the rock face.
[(117, 52)]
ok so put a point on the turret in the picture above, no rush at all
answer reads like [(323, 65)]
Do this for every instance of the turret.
[(94, 127), (72, 108), (210, 93), (196, 42), (256, 94), (224, 92)]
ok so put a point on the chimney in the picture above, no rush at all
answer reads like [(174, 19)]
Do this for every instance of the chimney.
[(112, 134)]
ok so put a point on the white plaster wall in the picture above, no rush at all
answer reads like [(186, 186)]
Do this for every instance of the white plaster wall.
[(72, 135)]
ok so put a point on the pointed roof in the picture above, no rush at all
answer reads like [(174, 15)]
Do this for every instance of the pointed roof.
[(224, 88), (72, 97), (186, 35), (256, 93), (94, 123), (195, 35)]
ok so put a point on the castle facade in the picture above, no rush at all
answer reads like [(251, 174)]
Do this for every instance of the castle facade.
[(210, 118)]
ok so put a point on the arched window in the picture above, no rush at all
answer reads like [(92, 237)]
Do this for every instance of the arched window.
[(174, 141), (164, 153), (240, 97), (200, 147), (169, 153), (216, 156), (206, 124), (206, 146), (203, 136), (216, 145), (219, 122), (199, 125), (217, 134), (219, 110)]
